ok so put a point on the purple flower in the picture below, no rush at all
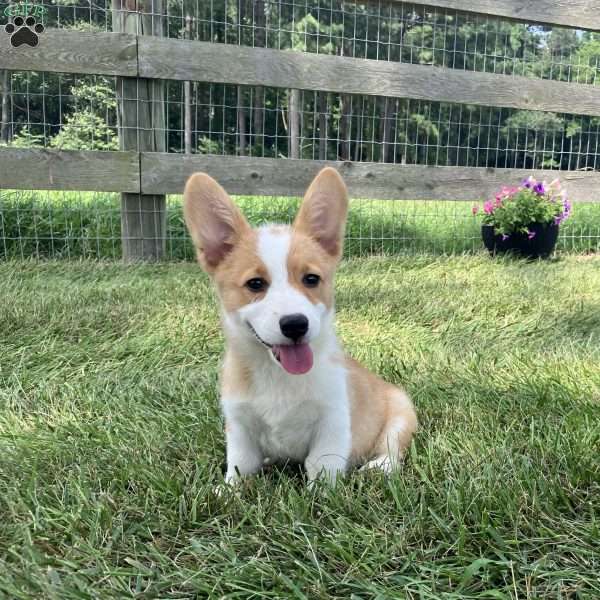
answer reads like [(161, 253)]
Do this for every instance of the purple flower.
[(505, 237), (488, 207), (528, 183), (530, 234), (559, 219), (539, 189)]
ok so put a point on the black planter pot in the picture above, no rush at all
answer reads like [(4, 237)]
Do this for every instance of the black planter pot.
[(540, 246)]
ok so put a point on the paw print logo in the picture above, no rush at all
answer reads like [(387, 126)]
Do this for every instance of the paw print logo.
[(24, 31)]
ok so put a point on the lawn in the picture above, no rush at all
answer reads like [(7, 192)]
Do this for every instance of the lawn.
[(112, 443)]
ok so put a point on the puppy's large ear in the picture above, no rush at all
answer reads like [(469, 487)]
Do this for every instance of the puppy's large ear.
[(324, 210), (213, 220)]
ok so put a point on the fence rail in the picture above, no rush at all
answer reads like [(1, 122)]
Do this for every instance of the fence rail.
[(218, 63), (76, 170), (161, 58), (166, 174), (157, 173), (579, 14), (66, 51)]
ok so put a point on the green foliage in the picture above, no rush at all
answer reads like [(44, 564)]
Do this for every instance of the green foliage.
[(572, 129), (529, 131), (562, 42), (589, 52), (420, 37), (85, 130), (549, 162), (87, 26), (533, 121), (310, 35), (208, 146), (100, 94), (588, 60), (25, 138), (425, 125)]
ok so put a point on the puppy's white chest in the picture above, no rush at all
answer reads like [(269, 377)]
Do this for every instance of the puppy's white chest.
[(286, 425), (283, 414)]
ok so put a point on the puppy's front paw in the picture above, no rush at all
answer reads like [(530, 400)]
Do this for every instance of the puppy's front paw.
[(232, 477), (229, 486), (326, 471), (220, 490), (227, 489)]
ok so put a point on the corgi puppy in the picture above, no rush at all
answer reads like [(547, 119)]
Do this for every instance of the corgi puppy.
[(288, 392)]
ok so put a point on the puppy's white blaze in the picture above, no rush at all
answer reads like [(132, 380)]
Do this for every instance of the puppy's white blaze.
[(273, 249)]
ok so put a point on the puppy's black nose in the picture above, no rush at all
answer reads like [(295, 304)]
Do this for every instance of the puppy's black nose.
[(293, 326)]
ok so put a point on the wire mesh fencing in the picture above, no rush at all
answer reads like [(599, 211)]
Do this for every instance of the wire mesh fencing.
[(76, 225), (80, 112), (75, 112)]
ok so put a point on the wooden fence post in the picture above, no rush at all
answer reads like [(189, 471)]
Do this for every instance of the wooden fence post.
[(142, 127)]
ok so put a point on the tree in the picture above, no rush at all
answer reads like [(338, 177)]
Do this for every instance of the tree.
[(86, 128), (259, 92), (187, 97), (5, 114), (242, 114)]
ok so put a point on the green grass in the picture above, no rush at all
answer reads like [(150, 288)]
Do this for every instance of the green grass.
[(84, 224), (111, 440)]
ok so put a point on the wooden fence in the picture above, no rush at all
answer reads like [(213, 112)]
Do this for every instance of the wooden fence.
[(143, 172)]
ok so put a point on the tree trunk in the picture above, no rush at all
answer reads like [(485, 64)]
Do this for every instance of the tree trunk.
[(5, 84), (5, 120), (241, 121), (241, 109), (345, 130), (259, 118), (259, 91), (187, 98), (294, 123), (345, 125), (323, 125), (385, 128)]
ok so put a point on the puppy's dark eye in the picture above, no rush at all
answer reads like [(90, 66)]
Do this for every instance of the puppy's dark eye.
[(311, 280), (256, 284)]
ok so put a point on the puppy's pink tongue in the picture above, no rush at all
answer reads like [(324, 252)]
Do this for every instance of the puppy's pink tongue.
[(296, 359)]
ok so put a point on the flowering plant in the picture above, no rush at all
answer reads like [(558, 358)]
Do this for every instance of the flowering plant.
[(514, 209)]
